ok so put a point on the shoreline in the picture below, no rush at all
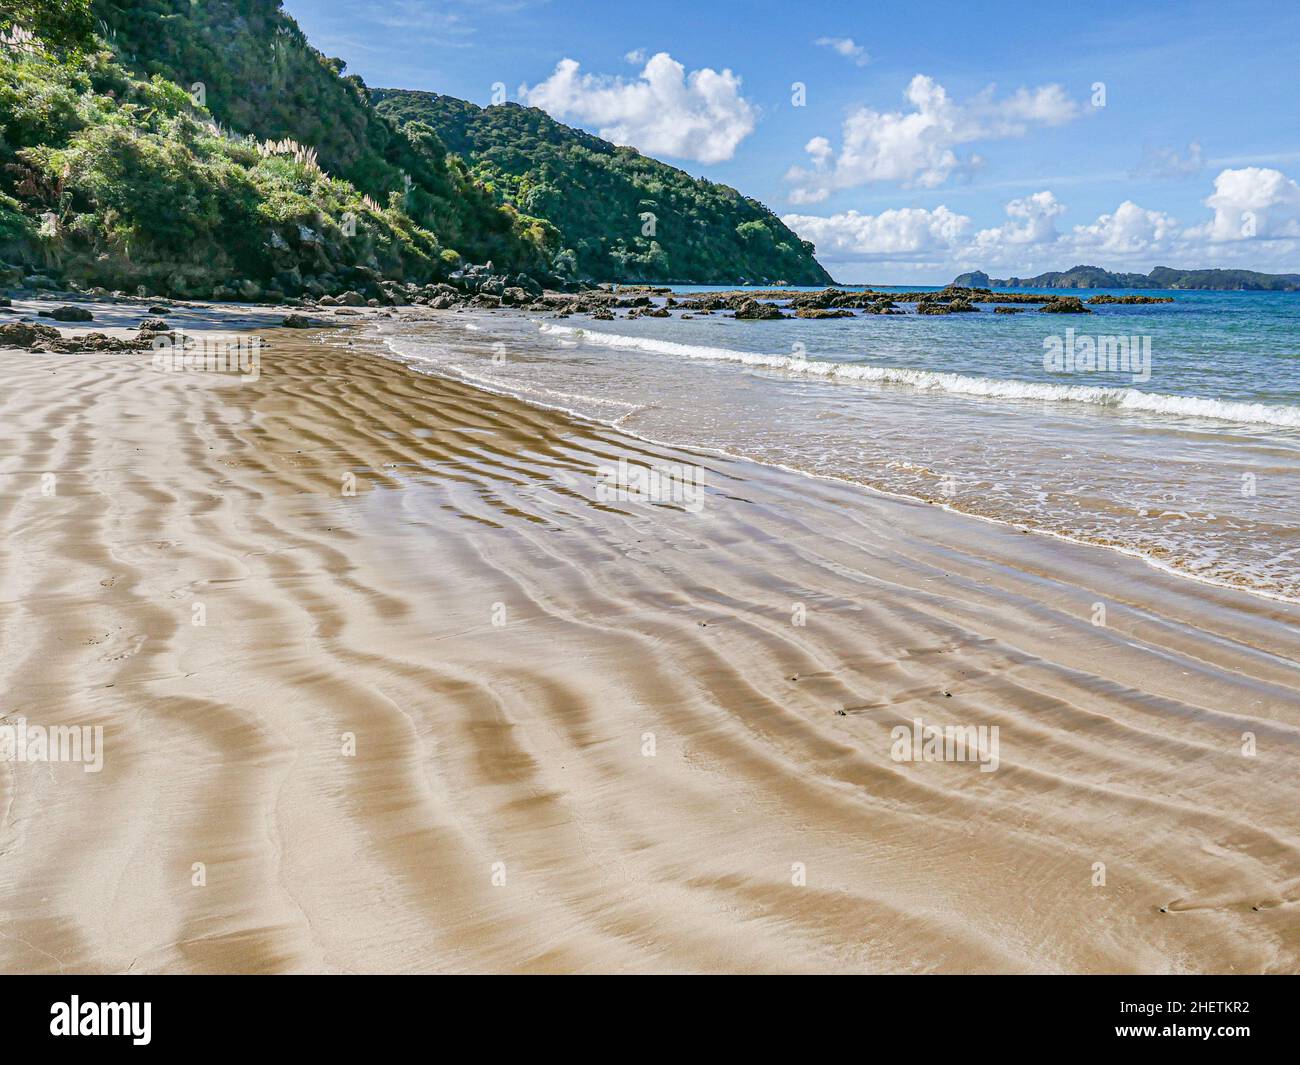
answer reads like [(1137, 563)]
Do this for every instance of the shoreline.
[(522, 743), (1017, 524)]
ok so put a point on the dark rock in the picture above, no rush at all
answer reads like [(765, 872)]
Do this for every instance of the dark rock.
[(69, 314), (1008, 310), (1065, 305), (819, 312), (751, 310), (26, 335), (154, 325), (1107, 298)]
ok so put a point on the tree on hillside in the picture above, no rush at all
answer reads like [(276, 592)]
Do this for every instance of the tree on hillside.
[(61, 24)]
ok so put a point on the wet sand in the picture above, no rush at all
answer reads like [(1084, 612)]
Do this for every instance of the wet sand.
[(592, 735)]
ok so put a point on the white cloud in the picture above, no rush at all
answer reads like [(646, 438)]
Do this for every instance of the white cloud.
[(916, 147), (904, 232), (636, 57), (846, 47), (664, 111), (1129, 238), (1254, 202), (1130, 230), (1032, 222)]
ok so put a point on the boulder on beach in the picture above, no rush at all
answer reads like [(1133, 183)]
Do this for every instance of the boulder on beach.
[(68, 313), (27, 334)]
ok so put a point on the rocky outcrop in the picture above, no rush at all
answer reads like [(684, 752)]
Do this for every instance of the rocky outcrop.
[(754, 311), (1065, 305), (820, 312), (1106, 298)]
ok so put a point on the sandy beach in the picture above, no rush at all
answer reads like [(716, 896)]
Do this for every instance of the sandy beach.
[(387, 684)]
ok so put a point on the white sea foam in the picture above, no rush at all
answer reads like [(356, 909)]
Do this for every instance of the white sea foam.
[(960, 384)]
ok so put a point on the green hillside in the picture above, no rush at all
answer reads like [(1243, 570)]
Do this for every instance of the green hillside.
[(596, 194), (258, 75)]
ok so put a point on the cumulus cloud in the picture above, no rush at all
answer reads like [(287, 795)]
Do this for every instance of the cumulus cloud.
[(917, 147), (1251, 203), (908, 232), (1031, 222), (664, 111), (1131, 237), (846, 47), (1129, 230)]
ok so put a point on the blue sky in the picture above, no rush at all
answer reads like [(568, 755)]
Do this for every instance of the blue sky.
[(927, 139)]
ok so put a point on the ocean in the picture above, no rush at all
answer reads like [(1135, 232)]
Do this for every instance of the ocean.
[(1183, 450)]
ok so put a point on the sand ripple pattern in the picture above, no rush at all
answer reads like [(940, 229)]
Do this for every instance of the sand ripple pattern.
[(503, 647)]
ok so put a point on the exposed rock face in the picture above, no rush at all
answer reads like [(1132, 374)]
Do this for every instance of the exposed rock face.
[(1008, 310), (154, 325), (1065, 305)]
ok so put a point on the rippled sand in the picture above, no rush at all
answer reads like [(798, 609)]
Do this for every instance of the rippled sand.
[(505, 649)]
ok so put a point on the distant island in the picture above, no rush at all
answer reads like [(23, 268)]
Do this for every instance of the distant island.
[(1160, 277)]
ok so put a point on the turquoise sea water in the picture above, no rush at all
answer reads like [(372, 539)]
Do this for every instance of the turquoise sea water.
[(1188, 454)]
